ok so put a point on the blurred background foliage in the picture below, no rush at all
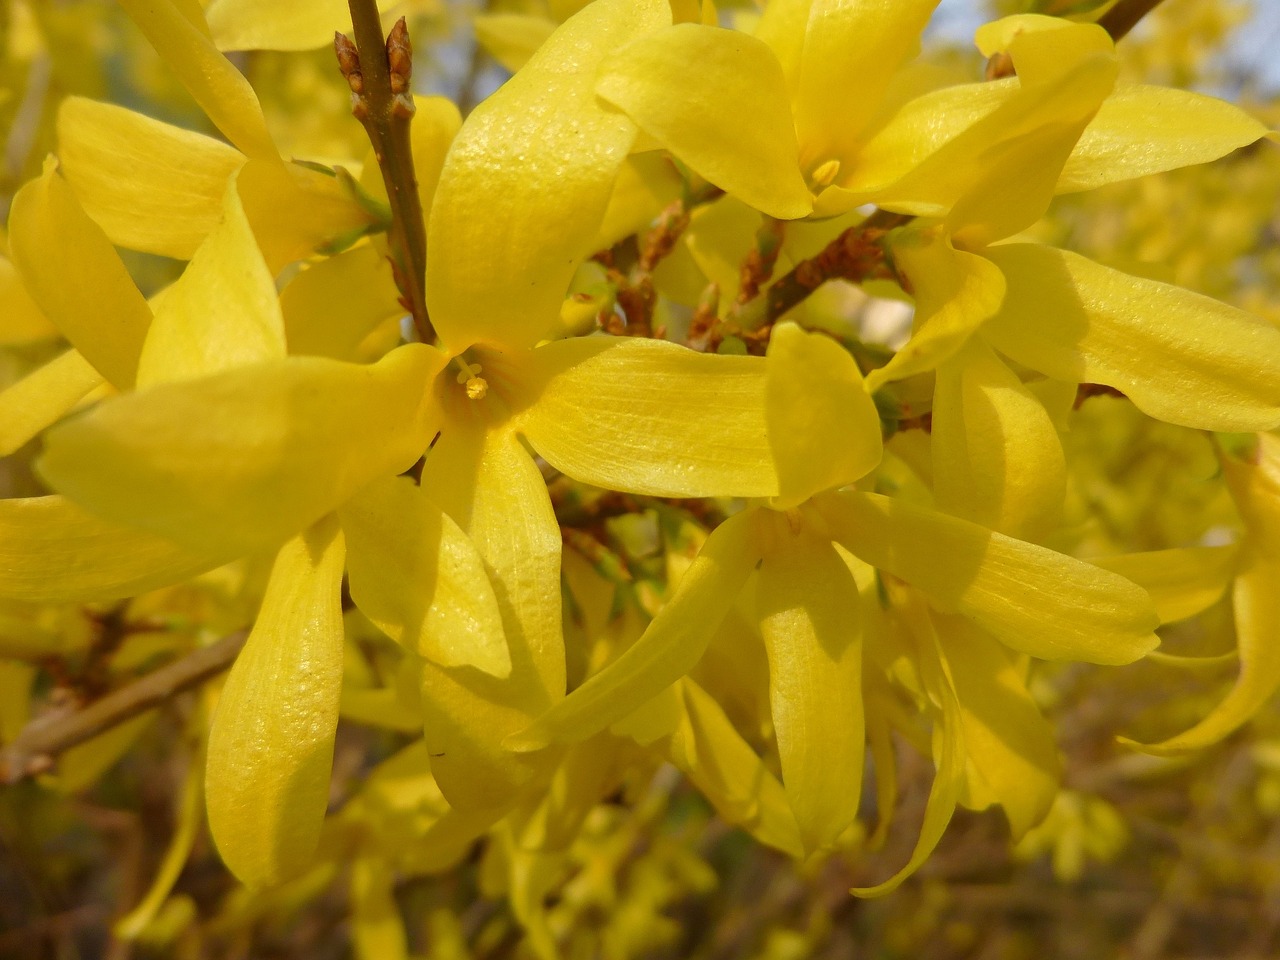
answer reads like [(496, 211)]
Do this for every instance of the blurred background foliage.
[(1140, 858)]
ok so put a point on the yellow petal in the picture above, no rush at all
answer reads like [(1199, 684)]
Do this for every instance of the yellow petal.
[(1009, 743), (832, 48), (1030, 598), (151, 186), (646, 183), (1143, 129), (807, 603), (271, 738), (244, 459), (187, 339), (997, 458), (1181, 582), (1179, 356), (42, 397), (101, 313), (489, 485), (955, 293), (51, 550), (1255, 486), (331, 305), (669, 648), (420, 580), (521, 152), (948, 747), (213, 80), (662, 419), (512, 38), (721, 75), (712, 754), (23, 320), (436, 122), (280, 24), (823, 428), (295, 211)]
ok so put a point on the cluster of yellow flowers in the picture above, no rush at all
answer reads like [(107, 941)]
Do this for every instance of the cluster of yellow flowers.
[(505, 503)]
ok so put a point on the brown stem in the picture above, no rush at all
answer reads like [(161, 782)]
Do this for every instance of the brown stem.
[(46, 737), (1124, 16), (378, 69)]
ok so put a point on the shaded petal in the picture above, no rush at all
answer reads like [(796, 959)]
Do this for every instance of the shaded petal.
[(997, 457), (545, 152), (23, 320), (1255, 486), (51, 550), (296, 212), (948, 745), (151, 186), (1181, 582), (722, 75), (101, 313), (271, 738), (42, 397), (1143, 129), (1030, 598), (333, 304), (242, 460), (668, 649), (648, 416), (823, 429), (840, 58), (955, 293), (512, 38), (712, 754), (280, 24), (807, 602), (489, 485), (187, 339), (1179, 356), (1010, 745), (420, 580), (221, 90)]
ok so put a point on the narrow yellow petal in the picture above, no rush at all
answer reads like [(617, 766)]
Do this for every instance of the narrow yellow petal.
[(43, 396), (521, 152), (1009, 743), (808, 607), (1255, 486), (669, 648), (271, 738), (823, 428), (101, 313), (1181, 582), (661, 419), (720, 73), (51, 550), (244, 459), (23, 321), (1203, 364), (187, 339), (213, 80), (997, 457), (948, 748), (955, 293), (712, 754), (150, 186), (420, 580), (489, 485), (1030, 598), (280, 24), (1142, 129)]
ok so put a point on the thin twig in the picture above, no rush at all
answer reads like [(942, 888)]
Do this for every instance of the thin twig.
[(1124, 16), (46, 737), (378, 70)]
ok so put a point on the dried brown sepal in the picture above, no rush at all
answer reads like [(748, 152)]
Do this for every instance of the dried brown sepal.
[(1000, 66), (757, 268)]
